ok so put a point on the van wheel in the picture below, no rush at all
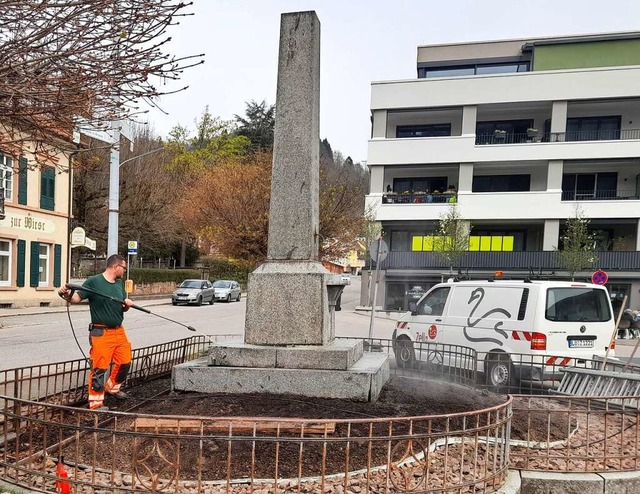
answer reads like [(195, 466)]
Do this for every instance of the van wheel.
[(213, 298), (405, 354), (499, 372)]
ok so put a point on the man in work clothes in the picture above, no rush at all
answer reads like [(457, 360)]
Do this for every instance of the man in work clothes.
[(109, 342)]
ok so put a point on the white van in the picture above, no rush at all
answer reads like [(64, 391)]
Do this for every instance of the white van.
[(519, 329)]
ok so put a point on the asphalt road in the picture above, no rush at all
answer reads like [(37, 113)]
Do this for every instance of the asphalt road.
[(46, 337)]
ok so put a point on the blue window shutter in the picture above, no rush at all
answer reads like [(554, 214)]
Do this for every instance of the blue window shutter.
[(22, 247), (22, 181), (47, 188), (57, 264), (35, 264)]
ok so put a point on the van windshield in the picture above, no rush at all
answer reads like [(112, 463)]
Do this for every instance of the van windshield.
[(576, 304)]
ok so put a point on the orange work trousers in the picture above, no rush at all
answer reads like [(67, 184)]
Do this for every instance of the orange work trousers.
[(107, 346)]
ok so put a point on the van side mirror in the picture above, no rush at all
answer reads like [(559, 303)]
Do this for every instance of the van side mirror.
[(413, 308)]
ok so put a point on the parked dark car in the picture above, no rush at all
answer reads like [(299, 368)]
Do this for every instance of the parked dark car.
[(227, 290), (193, 292)]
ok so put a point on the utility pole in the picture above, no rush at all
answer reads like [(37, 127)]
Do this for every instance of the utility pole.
[(114, 190)]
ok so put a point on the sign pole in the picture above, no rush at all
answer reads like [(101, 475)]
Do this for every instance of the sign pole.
[(375, 289)]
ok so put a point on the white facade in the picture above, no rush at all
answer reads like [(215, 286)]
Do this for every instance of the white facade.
[(578, 144)]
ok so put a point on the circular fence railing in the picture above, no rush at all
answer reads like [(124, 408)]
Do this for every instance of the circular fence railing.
[(121, 452), (43, 421)]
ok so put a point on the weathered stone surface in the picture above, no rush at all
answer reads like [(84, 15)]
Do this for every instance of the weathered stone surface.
[(561, 483), (512, 484), (241, 355), (621, 482), (361, 382), (287, 304), (338, 355), (293, 215)]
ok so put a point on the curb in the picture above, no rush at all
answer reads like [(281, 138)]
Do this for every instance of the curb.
[(36, 311)]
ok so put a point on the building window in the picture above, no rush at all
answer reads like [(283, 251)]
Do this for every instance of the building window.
[(432, 130), (473, 69), (585, 186), (401, 294), (43, 264), (503, 131), (593, 128), (6, 176), (48, 188), (5, 262), (422, 184), (501, 183)]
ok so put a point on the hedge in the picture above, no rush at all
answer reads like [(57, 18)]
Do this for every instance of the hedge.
[(218, 269)]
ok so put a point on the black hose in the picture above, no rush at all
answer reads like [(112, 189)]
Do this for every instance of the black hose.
[(72, 286)]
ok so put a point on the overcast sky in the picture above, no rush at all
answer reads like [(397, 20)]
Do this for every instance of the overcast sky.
[(361, 41)]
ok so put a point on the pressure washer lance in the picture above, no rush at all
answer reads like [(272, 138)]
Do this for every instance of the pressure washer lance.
[(74, 287)]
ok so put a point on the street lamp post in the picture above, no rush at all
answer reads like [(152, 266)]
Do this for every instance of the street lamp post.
[(114, 191)]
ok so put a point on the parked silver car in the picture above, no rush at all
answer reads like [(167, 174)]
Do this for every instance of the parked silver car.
[(227, 290), (193, 292)]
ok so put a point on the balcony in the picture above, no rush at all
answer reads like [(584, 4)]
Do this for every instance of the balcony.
[(419, 198), (599, 195), (592, 135), (545, 260)]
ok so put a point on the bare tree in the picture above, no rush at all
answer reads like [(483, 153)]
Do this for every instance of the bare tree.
[(453, 231), (94, 59)]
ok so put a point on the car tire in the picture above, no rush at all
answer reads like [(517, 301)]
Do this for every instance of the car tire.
[(405, 353), (173, 302), (199, 301), (239, 296), (499, 372), (228, 298), (213, 297)]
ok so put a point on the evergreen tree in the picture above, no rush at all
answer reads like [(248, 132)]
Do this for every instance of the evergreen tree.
[(257, 124)]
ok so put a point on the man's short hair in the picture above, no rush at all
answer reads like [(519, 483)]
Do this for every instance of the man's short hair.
[(114, 259)]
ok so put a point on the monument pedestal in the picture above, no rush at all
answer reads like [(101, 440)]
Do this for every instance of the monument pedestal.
[(361, 381), (288, 304)]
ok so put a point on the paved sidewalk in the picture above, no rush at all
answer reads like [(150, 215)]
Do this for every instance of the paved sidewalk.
[(29, 311)]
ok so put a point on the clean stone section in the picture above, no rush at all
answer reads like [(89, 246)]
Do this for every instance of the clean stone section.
[(339, 355), (362, 382), (288, 304)]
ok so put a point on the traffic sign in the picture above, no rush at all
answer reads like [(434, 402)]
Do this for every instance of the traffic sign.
[(599, 277), (132, 247), (373, 250)]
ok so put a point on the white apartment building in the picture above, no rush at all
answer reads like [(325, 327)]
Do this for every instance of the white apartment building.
[(517, 133)]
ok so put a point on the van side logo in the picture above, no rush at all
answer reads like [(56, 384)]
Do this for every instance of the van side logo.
[(478, 295)]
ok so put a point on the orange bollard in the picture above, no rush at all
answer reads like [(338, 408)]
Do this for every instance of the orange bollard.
[(62, 482)]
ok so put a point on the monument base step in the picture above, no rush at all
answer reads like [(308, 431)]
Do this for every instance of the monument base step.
[(338, 355), (363, 381)]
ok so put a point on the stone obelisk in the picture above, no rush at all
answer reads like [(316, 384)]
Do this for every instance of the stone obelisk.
[(289, 345), (287, 302)]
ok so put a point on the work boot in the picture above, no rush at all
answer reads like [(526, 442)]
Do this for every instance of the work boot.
[(120, 395), (103, 408)]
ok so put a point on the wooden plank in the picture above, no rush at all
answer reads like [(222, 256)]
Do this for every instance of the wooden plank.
[(190, 425)]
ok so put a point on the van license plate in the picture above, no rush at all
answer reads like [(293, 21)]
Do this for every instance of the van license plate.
[(580, 343)]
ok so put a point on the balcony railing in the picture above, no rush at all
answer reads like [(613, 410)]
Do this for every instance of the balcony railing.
[(570, 136), (599, 195), (593, 135), (419, 198), (545, 260)]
